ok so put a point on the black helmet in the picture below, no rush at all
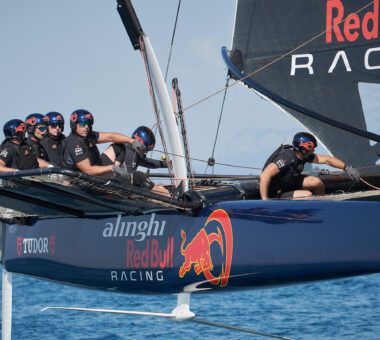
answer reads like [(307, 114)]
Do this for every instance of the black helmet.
[(32, 120), (304, 141), (145, 135), (55, 118), (14, 128), (80, 116)]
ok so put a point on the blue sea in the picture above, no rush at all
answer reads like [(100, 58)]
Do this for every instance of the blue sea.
[(338, 309)]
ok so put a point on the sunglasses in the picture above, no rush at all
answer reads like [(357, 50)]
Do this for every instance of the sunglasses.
[(84, 123), (56, 125), (42, 128)]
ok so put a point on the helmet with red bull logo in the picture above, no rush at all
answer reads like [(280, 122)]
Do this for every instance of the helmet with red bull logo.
[(55, 119), (81, 116), (14, 128), (32, 120), (304, 141), (145, 136)]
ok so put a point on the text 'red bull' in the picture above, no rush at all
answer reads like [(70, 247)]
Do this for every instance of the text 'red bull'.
[(198, 251), (151, 256), (352, 27)]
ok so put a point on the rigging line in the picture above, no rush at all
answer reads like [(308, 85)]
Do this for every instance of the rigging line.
[(370, 185), (200, 180), (220, 119), (248, 167), (154, 129), (172, 42), (279, 58), (202, 160)]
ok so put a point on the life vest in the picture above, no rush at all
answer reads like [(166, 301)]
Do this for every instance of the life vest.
[(276, 152), (38, 148), (25, 155), (54, 149), (92, 149)]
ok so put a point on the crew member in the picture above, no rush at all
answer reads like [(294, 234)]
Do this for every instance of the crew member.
[(134, 159), (81, 152), (281, 177), (15, 153), (37, 128), (54, 142)]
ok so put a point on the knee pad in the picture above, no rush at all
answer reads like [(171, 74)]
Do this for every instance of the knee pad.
[(105, 160), (142, 180), (147, 184)]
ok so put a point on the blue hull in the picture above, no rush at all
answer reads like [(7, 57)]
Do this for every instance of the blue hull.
[(227, 246)]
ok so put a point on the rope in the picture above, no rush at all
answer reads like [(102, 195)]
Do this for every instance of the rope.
[(172, 42), (232, 178), (278, 59), (220, 119), (202, 160), (254, 168), (370, 185)]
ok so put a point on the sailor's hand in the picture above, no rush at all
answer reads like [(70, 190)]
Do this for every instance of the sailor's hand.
[(138, 146), (353, 173), (123, 172), (164, 163)]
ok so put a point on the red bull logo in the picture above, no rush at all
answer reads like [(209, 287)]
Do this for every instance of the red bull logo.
[(138, 138), (307, 145), (21, 128), (74, 117), (32, 121), (198, 251)]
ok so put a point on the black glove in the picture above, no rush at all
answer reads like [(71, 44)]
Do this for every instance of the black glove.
[(138, 146), (352, 173), (122, 172), (164, 163)]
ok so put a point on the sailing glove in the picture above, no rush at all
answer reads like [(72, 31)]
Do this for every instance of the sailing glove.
[(352, 173), (138, 146), (122, 172), (164, 163)]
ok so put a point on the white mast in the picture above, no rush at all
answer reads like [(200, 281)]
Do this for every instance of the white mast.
[(175, 149), (160, 91)]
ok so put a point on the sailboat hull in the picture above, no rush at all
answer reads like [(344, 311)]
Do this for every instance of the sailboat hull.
[(227, 246)]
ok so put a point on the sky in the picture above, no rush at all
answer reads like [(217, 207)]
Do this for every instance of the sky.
[(65, 55)]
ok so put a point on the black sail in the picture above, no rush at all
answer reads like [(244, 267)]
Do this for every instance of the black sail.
[(320, 71)]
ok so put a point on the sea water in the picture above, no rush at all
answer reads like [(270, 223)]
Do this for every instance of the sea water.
[(338, 309)]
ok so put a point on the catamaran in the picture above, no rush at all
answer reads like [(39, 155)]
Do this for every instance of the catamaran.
[(76, 229)]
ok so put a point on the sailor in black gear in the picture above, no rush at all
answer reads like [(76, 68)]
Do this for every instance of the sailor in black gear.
[(82, 154), (134, 159), (15, 153), (37, 128), (282, 178), (54, 142)]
